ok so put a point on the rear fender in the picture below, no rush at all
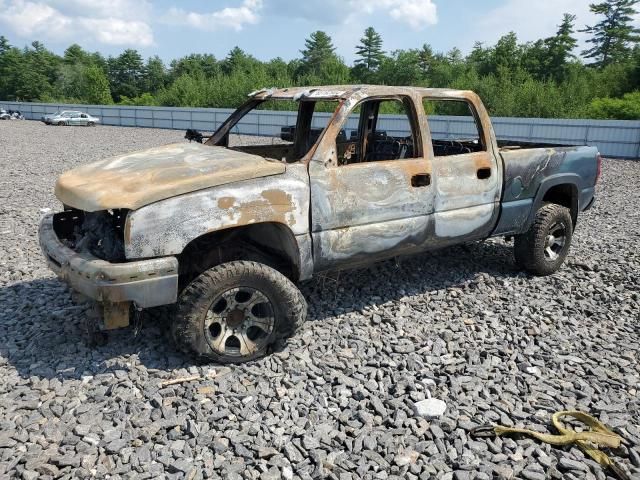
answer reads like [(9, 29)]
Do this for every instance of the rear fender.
[(571, 179)]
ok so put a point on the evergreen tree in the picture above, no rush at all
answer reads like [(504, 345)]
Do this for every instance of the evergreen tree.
[(319, 50), (74, 54), (426, 60), (561, 46), (4, 44), (369, 51), (507, 54), (613, 37), (194, 64), (480, 59), (238, 61), (155, 75), (126, 74)]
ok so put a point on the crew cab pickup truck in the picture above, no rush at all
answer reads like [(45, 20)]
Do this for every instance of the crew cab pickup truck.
[(223, 232)]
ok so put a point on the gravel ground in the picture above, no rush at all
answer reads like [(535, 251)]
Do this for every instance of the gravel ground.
[(462, 326)]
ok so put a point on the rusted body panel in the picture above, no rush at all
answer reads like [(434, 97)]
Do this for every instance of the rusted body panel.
[(372, 210), (166, 227), (140, 178)]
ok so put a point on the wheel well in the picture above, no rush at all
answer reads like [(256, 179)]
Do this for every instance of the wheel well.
[(566, 195), (270, 243)]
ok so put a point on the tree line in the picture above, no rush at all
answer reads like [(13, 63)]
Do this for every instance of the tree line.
[(545, 78)]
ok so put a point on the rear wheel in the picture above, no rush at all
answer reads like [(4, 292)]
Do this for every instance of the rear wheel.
[(544, 247), (236, 311)]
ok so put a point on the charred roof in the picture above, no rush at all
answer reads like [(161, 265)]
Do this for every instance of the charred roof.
[(337, 92)]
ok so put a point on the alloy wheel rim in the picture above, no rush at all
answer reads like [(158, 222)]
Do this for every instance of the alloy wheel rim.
[(555, 241), (239, 322)]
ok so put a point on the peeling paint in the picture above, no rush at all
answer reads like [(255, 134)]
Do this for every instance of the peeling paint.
[(137, 179), (169, 225)]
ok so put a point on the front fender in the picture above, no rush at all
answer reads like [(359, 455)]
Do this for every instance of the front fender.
[(167, 226)]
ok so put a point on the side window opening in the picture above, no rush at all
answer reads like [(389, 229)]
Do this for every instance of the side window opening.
[(384, 130), (454, 127), (294, 128)]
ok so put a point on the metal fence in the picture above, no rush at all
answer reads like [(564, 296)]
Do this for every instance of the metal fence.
[(614, 138)]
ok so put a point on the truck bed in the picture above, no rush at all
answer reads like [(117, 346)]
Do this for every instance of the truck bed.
[(506, 145)]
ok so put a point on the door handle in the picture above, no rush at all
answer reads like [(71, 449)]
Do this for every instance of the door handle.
[(421, 180), (484, 173)]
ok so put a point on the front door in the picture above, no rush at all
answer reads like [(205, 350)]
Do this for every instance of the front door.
[(375, 198)]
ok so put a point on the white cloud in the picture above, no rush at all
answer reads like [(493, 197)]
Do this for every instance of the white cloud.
[(79, 21), (416, 13), (125, 9), (234, 18)]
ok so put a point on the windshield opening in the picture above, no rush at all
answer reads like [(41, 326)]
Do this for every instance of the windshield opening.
[(279, 129)]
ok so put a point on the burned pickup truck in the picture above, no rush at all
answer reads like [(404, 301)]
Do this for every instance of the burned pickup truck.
[(223, 232)]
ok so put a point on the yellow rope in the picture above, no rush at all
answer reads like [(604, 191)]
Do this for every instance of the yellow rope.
[(589, 441)]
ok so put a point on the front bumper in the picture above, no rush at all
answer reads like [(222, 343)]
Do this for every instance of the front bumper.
[(146, 283)]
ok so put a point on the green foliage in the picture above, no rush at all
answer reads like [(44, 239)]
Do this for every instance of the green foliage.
[(537, 79), (194, 64), (126, 74), (146, 100), (95, 86), (155, 75), (625, 108)]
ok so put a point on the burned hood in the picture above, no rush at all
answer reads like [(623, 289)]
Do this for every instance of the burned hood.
[(137, 179)]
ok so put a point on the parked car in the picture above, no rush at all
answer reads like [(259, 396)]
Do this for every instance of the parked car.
[(70, 117), (10, 114), (226, 232)]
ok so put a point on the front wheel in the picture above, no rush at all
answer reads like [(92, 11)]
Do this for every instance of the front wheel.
[(236, 311), (544, 247), (91, 124), (62, 124)]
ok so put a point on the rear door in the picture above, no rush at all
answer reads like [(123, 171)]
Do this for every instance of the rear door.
[(465, 170), (74, 118), (372, 196)]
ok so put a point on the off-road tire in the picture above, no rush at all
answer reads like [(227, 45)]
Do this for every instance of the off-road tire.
[(188, 325), (529, 248)]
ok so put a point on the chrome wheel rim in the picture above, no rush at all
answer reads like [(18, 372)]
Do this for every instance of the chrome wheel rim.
[(239, 322), (555, 241)]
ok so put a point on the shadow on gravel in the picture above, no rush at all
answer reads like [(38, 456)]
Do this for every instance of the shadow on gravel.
[(42, 332), (355, 290)]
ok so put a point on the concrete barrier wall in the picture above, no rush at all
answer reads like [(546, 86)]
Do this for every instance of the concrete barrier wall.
[(614, 138)]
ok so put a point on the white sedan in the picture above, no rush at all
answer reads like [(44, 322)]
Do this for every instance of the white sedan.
[(71, 117)]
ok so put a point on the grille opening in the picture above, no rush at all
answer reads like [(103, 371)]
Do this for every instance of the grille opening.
[(99, 233)]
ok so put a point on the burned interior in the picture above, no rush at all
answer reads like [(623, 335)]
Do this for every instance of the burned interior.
[(293, 143)]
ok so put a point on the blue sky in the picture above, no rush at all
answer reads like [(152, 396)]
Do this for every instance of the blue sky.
[(272, 28)]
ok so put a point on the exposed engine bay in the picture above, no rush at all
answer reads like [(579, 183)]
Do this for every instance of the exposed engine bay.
[(99, 233)]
